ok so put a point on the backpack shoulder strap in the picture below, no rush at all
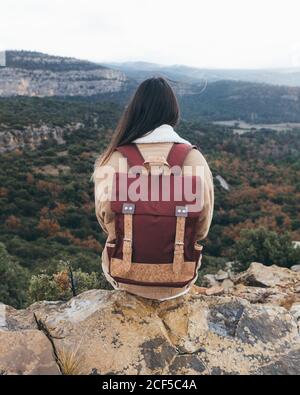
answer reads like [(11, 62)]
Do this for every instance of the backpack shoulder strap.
[(176, 156), (132, 154), (178, 153)]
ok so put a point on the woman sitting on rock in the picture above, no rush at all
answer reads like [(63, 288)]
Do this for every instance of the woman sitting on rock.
[(154, 198)]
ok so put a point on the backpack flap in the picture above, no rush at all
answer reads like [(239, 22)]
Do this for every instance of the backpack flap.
[(155, 220), (154, 238)]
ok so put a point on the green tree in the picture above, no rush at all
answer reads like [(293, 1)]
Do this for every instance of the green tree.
[(13, 280), (264, 246), (60, 285)]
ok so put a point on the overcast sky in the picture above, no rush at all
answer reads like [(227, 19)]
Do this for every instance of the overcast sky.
[(202, 33)]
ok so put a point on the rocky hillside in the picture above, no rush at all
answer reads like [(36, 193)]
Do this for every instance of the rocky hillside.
[(24, 73), (33, 136), (26, 122), (142, 70), (251, 327), (29, 74)]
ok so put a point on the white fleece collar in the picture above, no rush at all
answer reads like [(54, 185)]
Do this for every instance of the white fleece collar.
[(162, 134)]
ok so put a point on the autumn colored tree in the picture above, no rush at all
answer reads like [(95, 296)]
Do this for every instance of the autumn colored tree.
[(3, 192), (60, 209), (44, 212), (30, 178), (48, 226), (13, 222)]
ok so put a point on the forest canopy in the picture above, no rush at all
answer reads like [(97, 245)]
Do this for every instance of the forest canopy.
[(47, 204)]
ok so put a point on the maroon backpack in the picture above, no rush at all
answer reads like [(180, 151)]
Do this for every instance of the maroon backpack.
[(155, 239)]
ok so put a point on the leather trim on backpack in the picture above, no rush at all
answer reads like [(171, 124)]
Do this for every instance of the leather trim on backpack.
[(159, 274), (179, 240)]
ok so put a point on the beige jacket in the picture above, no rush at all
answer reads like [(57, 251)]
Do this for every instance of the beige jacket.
[(106, 217)]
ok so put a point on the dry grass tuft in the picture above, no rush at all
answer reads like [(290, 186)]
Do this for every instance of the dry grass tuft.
[(70, 362), (288, 302)]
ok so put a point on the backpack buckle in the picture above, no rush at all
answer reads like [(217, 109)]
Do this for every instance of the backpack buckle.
[(128, 208), (181, 211), (157, 165)]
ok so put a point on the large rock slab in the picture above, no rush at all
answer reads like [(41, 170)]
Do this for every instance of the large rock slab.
[(247, 331), (24, 349), (26, 352), (259, 275), (112, 332), (268, 284)]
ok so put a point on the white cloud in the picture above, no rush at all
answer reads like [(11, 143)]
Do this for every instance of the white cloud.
[(205, 33)]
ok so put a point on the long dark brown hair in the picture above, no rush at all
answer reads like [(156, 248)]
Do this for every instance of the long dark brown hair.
[(153, 104)]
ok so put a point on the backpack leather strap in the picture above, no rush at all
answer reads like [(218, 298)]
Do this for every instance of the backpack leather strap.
[(181, 214), (132, 154), (176, 156), (178, 153), (128, 211)]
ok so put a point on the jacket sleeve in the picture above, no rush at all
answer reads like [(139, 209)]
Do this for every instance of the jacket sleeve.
[(101, 204), (195, 158), (103, 180)]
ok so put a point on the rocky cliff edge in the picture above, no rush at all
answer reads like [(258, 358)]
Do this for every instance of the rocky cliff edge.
[(251, 327)]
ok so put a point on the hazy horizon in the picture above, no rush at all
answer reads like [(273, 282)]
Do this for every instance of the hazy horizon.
[(188, 65), (203, 34), (114, 62)]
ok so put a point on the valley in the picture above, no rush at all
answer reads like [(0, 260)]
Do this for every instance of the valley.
[(51, 135), (241, 127)]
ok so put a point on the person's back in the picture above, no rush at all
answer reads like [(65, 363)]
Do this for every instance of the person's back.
[(154, 199)]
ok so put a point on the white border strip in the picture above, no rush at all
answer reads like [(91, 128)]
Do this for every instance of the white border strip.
[(2, 59), (3, 324)]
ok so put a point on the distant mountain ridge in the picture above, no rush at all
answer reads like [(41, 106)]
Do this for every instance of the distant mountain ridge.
[(141, 70), (32, 60), (240, 100), (210, 95), (25, 73)]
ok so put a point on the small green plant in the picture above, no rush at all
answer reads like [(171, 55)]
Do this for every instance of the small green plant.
[(264, 246), (13, 280), (63, 284)]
